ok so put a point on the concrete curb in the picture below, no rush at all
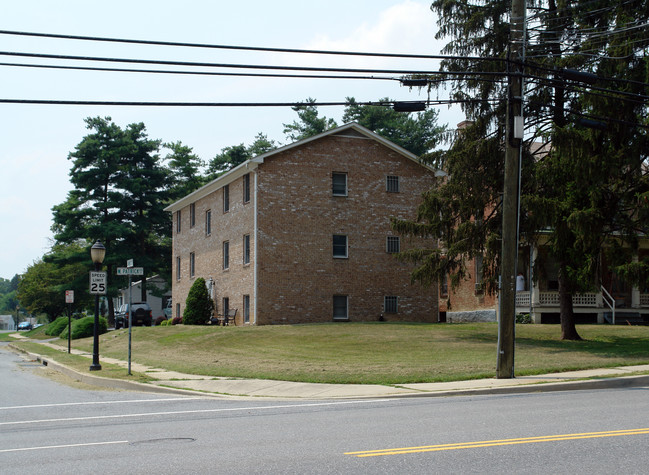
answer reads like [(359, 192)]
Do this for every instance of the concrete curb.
[(110, 383), (604, 382), (588, 384)]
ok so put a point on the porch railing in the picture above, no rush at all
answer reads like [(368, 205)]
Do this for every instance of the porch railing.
[(551, 299), (610, 303), (523, 299)]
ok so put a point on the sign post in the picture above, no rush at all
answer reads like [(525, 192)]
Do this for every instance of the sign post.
[(130, 271), (69, 299)]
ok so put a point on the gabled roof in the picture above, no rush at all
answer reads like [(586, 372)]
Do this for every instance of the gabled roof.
[(352, 128)]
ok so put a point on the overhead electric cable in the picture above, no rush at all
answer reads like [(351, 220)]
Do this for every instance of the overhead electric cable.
[(206, 73), (237, 66), (429, 102), (235, 47)]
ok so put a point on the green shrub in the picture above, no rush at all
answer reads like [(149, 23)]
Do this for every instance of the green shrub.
[(84, 328), (165, 323), (198, 306), (523, 318), (57, 326)]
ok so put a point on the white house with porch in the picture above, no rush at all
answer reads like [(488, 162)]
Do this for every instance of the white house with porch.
[(613, 301)]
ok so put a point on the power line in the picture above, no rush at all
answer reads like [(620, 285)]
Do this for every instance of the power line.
[(238, 66), (235, 47), (428, 102), (200, 73)]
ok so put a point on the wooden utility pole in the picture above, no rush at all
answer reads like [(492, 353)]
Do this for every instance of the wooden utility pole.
[(513, 136)]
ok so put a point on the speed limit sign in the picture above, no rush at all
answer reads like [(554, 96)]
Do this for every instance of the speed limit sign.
[(98, 283)]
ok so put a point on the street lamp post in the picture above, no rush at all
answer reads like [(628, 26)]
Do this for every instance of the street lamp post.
[(97, 253)]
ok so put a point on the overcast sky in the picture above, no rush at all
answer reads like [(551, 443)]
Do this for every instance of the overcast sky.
[(36, 139)]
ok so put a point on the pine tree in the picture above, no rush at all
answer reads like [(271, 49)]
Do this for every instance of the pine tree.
[(587, 188)]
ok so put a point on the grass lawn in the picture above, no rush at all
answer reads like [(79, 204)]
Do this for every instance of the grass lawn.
[(379, 353)]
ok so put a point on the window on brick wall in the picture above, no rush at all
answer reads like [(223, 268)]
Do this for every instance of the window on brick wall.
[(340, 246), (208, 222), (339, 184), (226, 305), (178, 274), (226, 198), (246, 249), (443, 286), (390, 304), (192, 264), (226, 254), (192, 215), (246, 188), (178, 310), (178, 221), (478, 275), (392, 184), (246, 309), (393, 244), (340, 307)]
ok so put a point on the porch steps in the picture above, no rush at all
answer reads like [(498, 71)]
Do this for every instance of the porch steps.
[(625, 318)]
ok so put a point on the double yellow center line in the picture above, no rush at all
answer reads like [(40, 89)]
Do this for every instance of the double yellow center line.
[(494, 443)]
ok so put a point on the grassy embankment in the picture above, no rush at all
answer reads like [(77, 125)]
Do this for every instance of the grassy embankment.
[(377, 353)]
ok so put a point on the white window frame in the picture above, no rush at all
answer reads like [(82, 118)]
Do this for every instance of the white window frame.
[(246, 309), (333, 187), (246, 188), (392, 184), (346, 316), (226, 199), (334, 246), (208, 222), (391, 304), (246, 249), (226, 255), (392, 242)]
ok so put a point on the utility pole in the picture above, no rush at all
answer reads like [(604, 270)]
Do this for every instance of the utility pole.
[(513, 136)]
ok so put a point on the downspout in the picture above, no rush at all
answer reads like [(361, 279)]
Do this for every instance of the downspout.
[(256, 248)]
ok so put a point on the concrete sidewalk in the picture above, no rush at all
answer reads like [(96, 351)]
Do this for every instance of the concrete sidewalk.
[(173, 382)]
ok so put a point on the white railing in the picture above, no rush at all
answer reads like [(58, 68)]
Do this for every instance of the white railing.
[(585, 300), (551, 299), (523, 299), (610, 303), (644, 300)]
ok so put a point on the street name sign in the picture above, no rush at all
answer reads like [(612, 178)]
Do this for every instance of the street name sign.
[(98, 283), (130, 271)]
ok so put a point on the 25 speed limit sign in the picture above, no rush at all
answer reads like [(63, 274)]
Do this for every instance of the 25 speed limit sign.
[(98, 283)]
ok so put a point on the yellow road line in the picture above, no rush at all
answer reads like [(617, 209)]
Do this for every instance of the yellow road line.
[(493, 443)]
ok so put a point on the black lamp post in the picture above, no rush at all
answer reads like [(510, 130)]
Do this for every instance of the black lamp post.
[(97, 253)]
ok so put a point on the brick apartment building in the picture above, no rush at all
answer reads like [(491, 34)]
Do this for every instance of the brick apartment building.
[(302, 234)]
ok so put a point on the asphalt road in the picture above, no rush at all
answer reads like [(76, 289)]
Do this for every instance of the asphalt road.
[(50, 428)]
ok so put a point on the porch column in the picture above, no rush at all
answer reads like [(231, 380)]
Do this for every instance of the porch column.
[(535, 293), (635, 291)]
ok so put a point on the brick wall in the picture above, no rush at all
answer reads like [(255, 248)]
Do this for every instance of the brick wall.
[(298, 216), (465, 297), (233, 282)]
